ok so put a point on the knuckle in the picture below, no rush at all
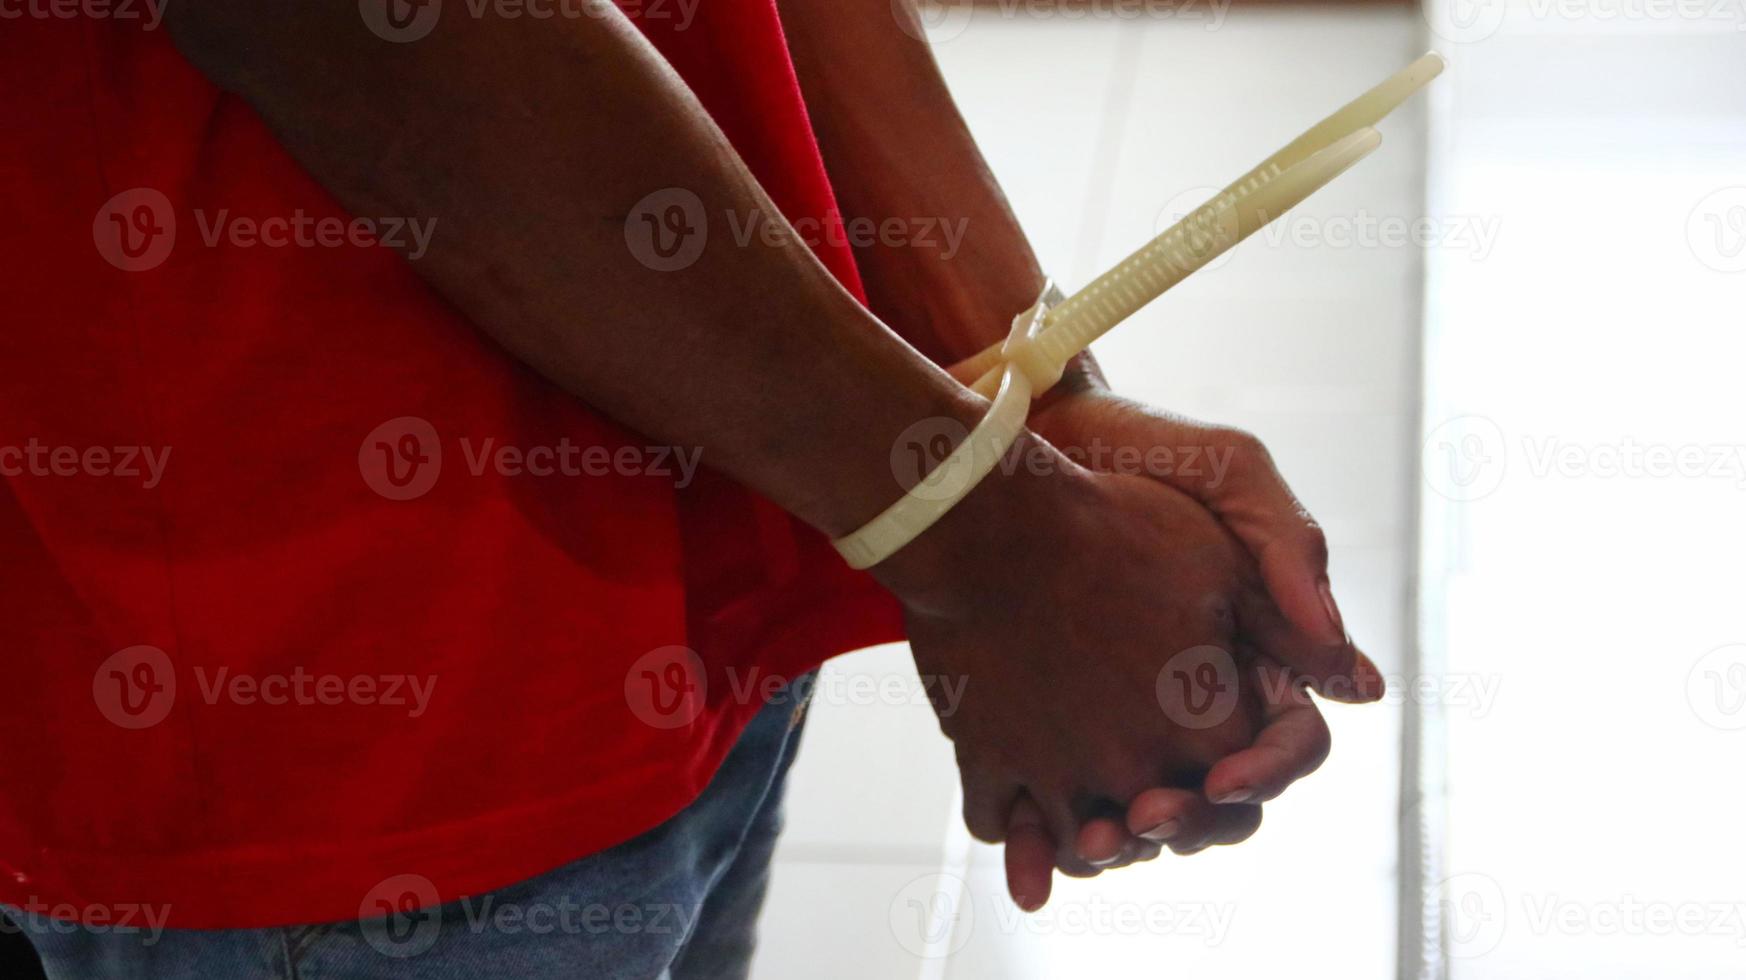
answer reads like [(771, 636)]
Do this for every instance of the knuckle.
[(1247, 444), (982, 825), (1321, 743), (985, 821), (1220, 609)]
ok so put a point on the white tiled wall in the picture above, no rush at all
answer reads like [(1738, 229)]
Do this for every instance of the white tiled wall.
[(1594, 810)]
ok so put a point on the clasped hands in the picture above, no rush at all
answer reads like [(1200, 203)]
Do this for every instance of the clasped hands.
[(1136, 645)]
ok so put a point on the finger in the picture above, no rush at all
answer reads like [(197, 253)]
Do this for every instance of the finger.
[(1340, 672), (988, 802), (1063, 823), (1187, 822), (1291, 553), (1104, 843), (1292, 743), (1030, 855), (1172, 817), (1227, 825)]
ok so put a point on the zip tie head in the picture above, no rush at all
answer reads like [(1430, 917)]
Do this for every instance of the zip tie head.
[(1023, 350)]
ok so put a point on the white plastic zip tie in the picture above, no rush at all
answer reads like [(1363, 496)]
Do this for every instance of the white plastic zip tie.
[(1049, 334), (966, 465)]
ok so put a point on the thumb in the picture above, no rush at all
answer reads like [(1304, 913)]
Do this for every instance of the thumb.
[(1235, 478), (1292, 554)]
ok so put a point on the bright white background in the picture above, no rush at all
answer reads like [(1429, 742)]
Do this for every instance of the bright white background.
[(1581, 286)]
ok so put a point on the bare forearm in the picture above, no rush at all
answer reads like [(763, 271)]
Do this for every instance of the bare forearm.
[(531, 141), (896, 146)]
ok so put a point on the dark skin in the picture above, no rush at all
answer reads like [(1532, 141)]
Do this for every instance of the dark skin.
[(896, 145), (499, 127)]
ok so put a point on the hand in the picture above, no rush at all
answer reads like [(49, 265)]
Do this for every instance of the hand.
[(1292, 744), (1061, 595), (1232, 474)]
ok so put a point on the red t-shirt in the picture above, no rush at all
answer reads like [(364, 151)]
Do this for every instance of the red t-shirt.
[(280, 619)]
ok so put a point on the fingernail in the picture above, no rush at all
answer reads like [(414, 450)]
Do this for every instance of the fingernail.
[(1163, 831), (1026, 904), (1235, 796), (1102, 862), (1336, 625)]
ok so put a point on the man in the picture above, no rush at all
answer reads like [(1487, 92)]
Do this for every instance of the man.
[(401, 610)]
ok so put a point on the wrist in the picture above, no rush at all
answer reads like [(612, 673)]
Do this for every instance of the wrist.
[(1083, 376), (954, 307), (977, 542)]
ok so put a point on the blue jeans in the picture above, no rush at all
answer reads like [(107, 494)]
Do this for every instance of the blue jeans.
[(679, 902)]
